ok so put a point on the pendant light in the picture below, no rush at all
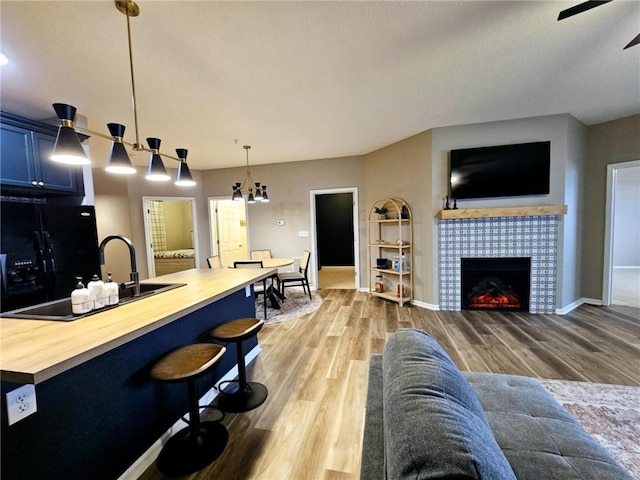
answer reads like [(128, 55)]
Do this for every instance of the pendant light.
[(248, 186), (184, 178), (68, 148), (156, 171), (119, 161)]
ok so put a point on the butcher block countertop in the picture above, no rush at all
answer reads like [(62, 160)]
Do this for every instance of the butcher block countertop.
[(32, 351)]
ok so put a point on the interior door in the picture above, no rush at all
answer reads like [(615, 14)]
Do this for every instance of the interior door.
[(231, 221)]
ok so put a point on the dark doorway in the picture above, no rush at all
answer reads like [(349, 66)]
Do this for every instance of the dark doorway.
[(334, 227)]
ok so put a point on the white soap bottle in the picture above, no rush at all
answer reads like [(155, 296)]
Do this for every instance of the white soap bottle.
[(96, 290), (80, 299), (111, 291)]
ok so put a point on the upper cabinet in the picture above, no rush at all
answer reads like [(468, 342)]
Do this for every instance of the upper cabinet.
[(25, 167)]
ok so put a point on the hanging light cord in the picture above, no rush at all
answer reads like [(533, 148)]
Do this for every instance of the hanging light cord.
[(137, 145), (126, 7)]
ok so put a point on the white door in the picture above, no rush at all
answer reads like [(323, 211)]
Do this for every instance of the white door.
[(231, 231)]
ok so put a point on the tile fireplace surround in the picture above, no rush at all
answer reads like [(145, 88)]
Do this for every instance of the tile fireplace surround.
[(533, 236)]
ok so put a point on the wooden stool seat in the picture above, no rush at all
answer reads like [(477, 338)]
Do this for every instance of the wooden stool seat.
[(190, 361), (237, 330), (199, 444), (243, 396)]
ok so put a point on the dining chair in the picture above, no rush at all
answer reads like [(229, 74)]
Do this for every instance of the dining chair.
[(297, 278), (214, 261), (258, 288), (258, 254)]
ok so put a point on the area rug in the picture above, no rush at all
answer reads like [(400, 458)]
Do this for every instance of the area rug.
[(296, 305), (611, 413)]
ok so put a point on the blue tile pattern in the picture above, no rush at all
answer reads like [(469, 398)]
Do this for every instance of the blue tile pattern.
[(534, 236)]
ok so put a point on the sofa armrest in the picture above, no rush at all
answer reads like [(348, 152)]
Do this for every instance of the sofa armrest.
[(372, 467)]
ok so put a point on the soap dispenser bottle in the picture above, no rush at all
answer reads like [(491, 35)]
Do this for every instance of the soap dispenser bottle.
[(96, 290), (81, 299), (111, 291)]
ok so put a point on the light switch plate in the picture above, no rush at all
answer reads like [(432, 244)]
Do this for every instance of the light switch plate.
[(280, 223), (303, 233)]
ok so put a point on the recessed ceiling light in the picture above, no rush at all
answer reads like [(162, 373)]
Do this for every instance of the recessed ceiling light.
[(3, 59)]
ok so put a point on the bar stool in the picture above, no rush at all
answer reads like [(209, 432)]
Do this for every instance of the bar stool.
[(199, 444), (245, 395)]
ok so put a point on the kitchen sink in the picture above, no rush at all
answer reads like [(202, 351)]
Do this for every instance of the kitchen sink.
[(60, 310)]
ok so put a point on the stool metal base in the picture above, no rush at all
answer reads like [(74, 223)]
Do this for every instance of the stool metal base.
[(236, 399), (186, 453)]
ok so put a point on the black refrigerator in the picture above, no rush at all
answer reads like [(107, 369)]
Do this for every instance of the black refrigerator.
[(43, 248)]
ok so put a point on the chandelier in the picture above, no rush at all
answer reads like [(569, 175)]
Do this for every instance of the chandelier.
[(68, 148), (248, 186)]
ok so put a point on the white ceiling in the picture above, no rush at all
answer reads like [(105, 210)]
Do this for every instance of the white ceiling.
[(307, 80)]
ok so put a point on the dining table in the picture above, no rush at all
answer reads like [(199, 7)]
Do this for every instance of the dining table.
[(274, 262)]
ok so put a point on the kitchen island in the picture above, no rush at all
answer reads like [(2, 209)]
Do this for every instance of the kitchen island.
[(97, 408)]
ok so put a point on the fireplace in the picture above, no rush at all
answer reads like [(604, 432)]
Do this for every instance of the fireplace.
[(533, 236), (496, 283)]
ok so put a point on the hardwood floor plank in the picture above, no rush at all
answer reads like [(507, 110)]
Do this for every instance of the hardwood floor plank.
[(316, 370)]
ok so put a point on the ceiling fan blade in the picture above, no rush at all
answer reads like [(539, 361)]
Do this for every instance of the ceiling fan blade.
[(633, 42), (582, 7)]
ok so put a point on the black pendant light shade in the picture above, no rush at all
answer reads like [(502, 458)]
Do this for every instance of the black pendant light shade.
[(265, 197), (237, 193), (119, 161), (68, 148), (184, 178), (156, 171), (258, 196)]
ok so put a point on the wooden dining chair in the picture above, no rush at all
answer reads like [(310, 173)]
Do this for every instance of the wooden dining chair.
[(259, 254), (214, 261), (297, 278), (258, 288)]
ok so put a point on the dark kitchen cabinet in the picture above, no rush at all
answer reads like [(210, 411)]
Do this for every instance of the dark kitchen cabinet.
[(25, 168)]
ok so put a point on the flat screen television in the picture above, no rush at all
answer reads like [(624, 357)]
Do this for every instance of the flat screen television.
[(500, 171)]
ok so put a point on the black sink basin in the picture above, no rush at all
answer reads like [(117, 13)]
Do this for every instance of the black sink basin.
[(60, 310)]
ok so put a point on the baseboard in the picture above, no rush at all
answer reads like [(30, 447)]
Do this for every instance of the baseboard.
[(426, 305), (417, 303), (576, 304), (136, 470)]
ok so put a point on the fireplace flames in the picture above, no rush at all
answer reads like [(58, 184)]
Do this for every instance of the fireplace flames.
[(491, 293)]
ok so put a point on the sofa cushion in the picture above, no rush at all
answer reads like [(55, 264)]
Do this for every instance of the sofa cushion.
[(433, 423), (372, 465), (538, 436)]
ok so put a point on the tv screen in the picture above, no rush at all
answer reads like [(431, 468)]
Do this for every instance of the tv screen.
[(500, 171)]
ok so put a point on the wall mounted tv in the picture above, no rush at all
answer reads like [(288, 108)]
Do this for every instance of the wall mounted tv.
[(500, 171)]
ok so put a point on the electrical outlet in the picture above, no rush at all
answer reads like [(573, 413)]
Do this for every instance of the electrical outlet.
[(21, 403)]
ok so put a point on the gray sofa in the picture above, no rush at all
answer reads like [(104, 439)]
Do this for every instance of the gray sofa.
[(425, 419)]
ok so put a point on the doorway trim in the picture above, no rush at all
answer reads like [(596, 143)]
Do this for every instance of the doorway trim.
[(151, 267), (612, 174), (314, 234)]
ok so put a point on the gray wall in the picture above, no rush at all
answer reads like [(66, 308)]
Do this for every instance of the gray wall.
[(288, 186), (403, 170), (414, 169), (610, 142), (568, 138), (114, 217)]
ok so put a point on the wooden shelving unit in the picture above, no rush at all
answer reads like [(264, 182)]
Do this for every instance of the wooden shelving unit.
[(502, 212), (391, 237)]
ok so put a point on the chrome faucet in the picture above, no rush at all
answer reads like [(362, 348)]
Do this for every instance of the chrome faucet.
[(134, 281)]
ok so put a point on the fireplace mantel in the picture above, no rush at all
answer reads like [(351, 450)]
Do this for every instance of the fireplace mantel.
[(502, 212)]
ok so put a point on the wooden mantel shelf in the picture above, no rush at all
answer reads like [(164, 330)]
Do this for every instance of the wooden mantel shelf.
[(502, 212)]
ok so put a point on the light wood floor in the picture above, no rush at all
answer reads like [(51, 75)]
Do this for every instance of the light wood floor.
[(316, 369), (337, 278)]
